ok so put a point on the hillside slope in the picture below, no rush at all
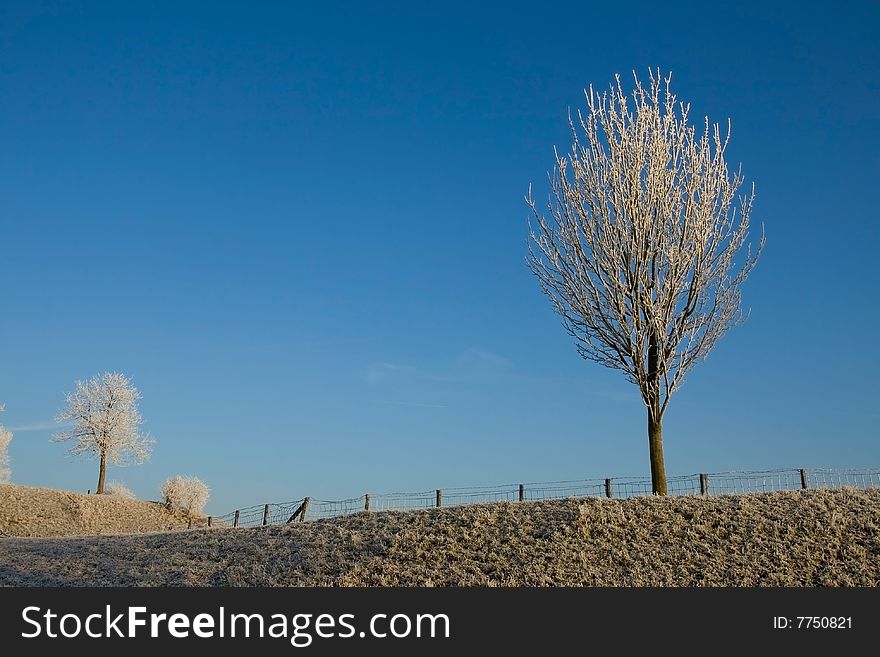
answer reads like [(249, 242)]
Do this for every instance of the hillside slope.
[(42, 512), (804, 538)]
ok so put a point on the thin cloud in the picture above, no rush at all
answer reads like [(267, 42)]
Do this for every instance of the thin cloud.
[(411, 403), (481, 360), (35, 426), (472, 363), (333, 342), (383, 372)]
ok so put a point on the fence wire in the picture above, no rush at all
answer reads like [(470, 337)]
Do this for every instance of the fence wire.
[(713, 483), (768, 481), (839, 478), (402, 501), (556, 490), (332, 508)]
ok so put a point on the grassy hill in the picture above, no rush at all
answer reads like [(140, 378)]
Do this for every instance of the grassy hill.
[(42, 512), (803, 538)]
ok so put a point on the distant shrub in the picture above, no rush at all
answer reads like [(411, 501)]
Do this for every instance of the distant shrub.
[(118, 489), (5, 439), (5, 470), (188, 494)]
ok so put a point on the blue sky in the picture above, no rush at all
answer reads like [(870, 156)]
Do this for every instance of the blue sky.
[(301, 232)]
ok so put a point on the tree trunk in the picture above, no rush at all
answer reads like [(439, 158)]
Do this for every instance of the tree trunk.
[(655, 420), (102, 474), (655, 445)]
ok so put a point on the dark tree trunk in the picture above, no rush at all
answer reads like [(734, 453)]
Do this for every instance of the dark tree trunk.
[(102, 474), (655, 445), (655, 421)]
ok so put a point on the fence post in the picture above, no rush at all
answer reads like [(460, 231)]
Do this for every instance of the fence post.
[(235, 522), (367, 502), (302, 516), (209, 521), (439, 498), (265, 515), (609, 488), (704, 484), (522, 492), (804, 482)]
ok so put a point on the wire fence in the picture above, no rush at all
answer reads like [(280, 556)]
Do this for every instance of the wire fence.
[(713, 483)]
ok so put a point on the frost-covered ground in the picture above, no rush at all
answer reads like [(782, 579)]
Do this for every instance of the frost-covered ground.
[(36, 512), (804, 538)]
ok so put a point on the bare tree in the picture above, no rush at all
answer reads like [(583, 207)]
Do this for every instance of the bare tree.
[(5, 439), (104, 422), (642, 250)]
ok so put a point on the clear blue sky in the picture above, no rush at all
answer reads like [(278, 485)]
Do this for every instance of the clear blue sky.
[(301, 232)]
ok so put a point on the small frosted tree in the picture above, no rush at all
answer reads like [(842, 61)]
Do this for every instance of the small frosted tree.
[(642, 253), (188, 494), (105, 423), (119, 490), (5, 439)]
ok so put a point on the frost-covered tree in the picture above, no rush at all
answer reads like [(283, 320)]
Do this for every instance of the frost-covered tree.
[(119, 490), (188, 494), (5, 439), (105, 421), (642, 250)]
